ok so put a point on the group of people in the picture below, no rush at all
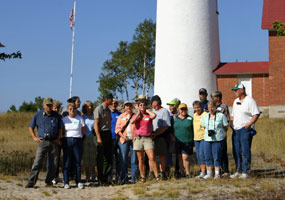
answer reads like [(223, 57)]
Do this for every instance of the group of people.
[(104, 139)]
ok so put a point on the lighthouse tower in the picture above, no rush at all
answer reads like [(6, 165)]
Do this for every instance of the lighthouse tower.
[(187, 49)]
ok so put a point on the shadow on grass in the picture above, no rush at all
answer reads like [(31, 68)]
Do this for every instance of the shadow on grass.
[(268, 173)]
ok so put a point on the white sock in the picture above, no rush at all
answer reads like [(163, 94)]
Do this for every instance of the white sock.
[(209, 172), (203, 173), (217, 172)]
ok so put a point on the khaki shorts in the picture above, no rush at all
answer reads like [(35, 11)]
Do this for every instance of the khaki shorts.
[(160, 146), (143, 143)]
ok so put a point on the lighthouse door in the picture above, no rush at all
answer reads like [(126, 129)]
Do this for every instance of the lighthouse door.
[(246, 80)]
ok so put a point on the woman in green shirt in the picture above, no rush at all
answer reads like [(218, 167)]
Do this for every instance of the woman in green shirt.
[(183, 132)]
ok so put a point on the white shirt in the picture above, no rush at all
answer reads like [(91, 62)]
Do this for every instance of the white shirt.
[(73, 126), (243, 111)]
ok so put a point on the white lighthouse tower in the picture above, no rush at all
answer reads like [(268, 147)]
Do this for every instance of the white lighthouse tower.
[(187, 49)]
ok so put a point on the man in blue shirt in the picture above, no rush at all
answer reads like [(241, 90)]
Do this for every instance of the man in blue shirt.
[(115, 114), (49, 127)]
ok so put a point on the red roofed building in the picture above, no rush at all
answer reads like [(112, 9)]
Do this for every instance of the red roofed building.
[(264, 81)]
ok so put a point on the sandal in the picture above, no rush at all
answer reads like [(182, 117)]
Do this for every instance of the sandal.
[(157, 178), (142, 180)]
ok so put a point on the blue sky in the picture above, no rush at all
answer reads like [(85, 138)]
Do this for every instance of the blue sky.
[(39, 29)]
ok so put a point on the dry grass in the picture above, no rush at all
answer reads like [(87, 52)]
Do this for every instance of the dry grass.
[(17, 151), (270, 137)]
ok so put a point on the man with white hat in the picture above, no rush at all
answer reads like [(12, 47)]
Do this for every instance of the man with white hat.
[(245, 113)]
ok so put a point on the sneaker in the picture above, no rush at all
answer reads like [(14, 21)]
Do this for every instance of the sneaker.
[(201, 175), (217, 176), (29, 185), (66, 186), (235, 175), (54, 181), (207, 177), (80, 185), (244, 176)]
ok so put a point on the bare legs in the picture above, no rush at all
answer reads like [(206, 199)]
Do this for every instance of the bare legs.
[(152, 162)]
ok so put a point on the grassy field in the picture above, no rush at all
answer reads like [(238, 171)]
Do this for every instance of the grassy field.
[(17, 151)]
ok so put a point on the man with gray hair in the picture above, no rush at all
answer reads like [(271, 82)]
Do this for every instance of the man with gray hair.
[(49, 126)]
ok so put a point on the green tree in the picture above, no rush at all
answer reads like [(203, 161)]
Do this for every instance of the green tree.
[(4, 56), (115, 72), (27, 107), (279, 27), (12, 109), (143, 49), (39, 102), (131, 64)]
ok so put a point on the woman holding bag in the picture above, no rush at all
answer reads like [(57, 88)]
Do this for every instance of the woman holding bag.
[(125, 130)]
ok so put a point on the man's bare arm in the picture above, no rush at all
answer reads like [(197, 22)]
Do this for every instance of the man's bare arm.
[(35, 138)]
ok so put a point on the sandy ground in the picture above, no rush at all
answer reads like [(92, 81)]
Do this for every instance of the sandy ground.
[(267, 181)]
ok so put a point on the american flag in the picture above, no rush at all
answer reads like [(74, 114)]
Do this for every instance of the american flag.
[(71, 19)]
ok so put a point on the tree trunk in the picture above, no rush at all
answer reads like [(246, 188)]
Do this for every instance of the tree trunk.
[(144, 73), (136, 87), (126, 89), (147, 90)]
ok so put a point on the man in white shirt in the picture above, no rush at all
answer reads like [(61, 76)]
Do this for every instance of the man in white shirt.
[(245, 113)]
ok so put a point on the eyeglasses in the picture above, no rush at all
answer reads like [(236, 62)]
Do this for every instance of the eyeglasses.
[(183, 108)]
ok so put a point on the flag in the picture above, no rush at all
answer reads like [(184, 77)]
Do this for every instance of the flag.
[(71, 19)]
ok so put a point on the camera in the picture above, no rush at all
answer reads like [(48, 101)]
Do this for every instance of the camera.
[(47, 136), (211, 133)]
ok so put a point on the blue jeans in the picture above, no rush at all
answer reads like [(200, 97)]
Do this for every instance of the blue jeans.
[(124, 152), (199, 147), (72, 147), (242, 140), (213, 151), (225, 160)]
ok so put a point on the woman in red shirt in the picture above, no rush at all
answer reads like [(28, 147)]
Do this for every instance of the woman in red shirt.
[(142, 140)]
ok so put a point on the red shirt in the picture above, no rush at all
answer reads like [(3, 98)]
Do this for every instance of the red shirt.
[(143, 126)]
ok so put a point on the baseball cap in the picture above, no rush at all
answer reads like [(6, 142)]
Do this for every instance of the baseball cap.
[(203, 91), (174, 102), (183, 105), (238, 86), (127, 102), (48, 101)]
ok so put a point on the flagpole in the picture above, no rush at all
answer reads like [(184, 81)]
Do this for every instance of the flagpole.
[(72, 50)]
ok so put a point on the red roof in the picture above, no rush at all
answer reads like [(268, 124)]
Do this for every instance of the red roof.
[(242, 68), (273, 10)]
